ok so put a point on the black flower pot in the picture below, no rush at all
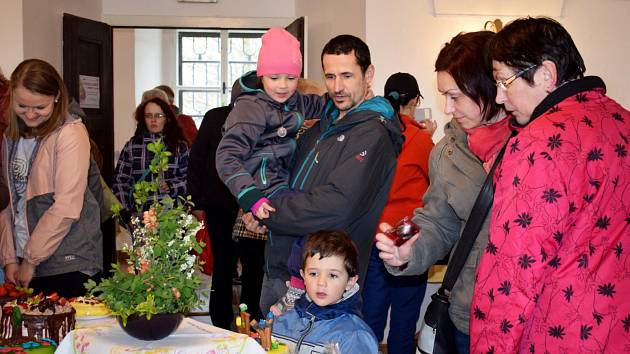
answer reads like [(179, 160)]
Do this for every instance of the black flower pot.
[(158, 327)]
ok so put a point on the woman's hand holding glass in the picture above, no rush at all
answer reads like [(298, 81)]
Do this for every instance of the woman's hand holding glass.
[(389, 252)]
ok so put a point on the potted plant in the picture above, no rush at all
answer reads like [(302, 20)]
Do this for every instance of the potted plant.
[(157, 286)]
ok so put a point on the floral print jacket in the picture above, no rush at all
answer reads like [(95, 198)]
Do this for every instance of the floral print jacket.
[(555, 275)]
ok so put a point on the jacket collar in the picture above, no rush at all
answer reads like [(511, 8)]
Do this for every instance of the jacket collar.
[(561, 93), (350, 304), (374, 108), (378, 105)]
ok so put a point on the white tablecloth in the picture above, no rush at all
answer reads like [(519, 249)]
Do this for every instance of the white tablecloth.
[(106, 336)]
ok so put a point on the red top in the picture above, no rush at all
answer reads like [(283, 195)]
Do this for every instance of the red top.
[(411, 178), (188, 128)]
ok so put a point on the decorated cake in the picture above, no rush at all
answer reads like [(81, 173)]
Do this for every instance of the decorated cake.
[(37, 317), (89, 307), (42, 346), (10, 292), (260, 331)]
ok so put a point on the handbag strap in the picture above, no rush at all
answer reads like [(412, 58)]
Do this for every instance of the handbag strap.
[(477, 216)]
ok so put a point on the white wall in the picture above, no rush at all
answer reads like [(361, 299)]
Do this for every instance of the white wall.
[(43, 26), (325, 20), (169, 59), (148, 60), (407, 37), (223, 8), (11, 36)]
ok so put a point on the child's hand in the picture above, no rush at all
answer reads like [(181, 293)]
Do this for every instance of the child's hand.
[(263, 210)]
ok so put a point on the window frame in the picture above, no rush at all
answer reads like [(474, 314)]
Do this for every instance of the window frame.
[(224, 88)]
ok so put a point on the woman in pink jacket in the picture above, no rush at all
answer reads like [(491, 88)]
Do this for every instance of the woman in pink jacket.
[(555, 275), (49, 235)]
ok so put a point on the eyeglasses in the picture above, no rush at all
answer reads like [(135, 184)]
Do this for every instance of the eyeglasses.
[(154, 116), (504, 84)]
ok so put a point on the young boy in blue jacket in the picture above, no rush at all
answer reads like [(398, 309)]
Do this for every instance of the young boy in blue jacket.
[(327, 317)]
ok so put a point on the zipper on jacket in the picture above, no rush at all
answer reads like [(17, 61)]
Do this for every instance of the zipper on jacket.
[(306, 332), (308, 157), (308, 172), (263, 166)]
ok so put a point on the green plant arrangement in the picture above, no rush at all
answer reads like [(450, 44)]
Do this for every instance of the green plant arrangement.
[(161, 276)]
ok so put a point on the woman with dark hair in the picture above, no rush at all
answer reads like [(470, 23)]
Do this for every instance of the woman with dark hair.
[(458, 166), (155, 120), (555, 277), (382, 290), (49, 234)]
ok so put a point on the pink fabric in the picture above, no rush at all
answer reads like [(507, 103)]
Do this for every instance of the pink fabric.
[(297, 283), (258, 204), (555, 274), (279, 54), (486, 141)]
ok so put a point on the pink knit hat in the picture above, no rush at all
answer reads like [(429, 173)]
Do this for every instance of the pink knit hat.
[(279, 54)]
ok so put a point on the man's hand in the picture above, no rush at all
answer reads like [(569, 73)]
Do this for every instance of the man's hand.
[(389, 253), (252, 224), (10, 272), (25, 274)]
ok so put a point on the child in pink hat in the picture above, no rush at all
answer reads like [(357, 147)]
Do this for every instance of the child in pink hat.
[(254, 157)]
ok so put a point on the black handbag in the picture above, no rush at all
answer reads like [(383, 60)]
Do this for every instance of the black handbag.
[(437, 332)]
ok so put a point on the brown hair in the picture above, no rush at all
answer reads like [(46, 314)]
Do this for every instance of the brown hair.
[(464, 58), (40, 77), (332, 243), (172, 132)]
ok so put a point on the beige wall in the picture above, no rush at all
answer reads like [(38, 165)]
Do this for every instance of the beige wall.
[(326, 19), (11, 36), (43, 26), (223, 8), (407, 37), (124, 87)]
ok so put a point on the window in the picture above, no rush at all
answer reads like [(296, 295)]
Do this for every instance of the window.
[(209, 62)]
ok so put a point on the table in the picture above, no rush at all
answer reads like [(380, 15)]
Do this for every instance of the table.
[(105, 336)]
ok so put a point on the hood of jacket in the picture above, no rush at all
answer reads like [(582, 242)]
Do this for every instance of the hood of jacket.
[(350, 304), (375, 108), (251, 85)]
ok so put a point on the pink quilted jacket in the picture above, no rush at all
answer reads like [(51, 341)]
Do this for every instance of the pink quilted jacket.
[(555, 274)]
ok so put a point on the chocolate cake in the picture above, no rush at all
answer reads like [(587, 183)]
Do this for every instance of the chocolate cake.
[(37, 317)]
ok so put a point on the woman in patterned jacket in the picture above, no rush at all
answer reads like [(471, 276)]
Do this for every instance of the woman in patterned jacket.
[(155, 120), (555, 275)]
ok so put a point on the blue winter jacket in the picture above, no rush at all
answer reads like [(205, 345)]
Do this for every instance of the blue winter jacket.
[(312, 329)]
